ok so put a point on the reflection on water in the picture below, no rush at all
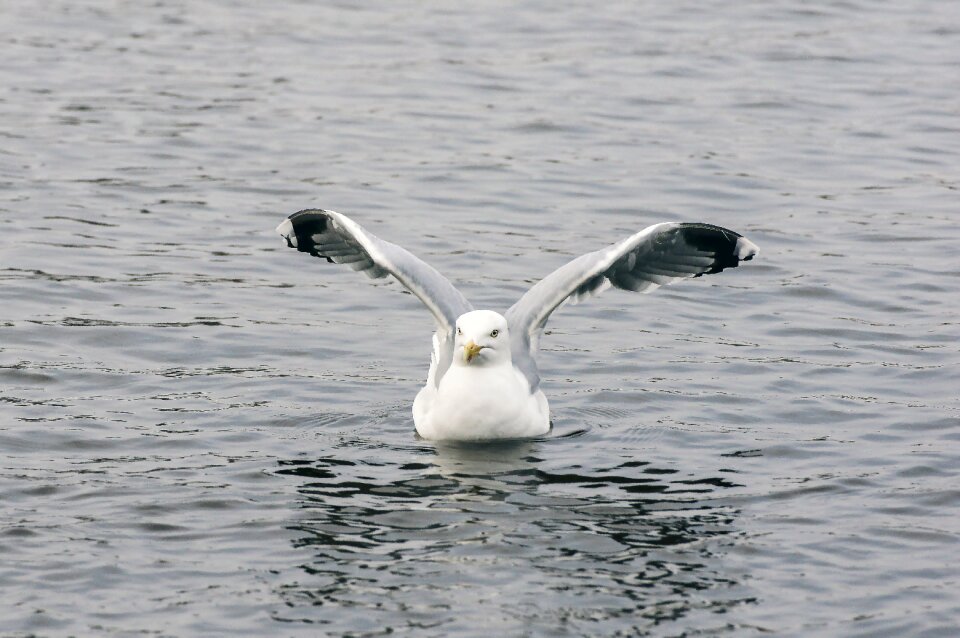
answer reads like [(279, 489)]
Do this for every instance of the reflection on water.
[(465, 523)]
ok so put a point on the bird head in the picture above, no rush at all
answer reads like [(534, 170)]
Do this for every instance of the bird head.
[(481, 337)]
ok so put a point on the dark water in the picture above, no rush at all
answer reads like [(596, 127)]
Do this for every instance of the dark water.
[(203, 433)]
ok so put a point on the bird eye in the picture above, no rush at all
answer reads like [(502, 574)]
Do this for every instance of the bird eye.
[(494, 333), (459, 331)]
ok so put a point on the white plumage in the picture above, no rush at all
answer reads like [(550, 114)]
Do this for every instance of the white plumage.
[(483, 381)]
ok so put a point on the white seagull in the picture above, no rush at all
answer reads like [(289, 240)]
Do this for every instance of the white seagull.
[(483, 381)]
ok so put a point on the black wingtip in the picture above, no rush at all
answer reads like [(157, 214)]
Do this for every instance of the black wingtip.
[(729, 248), (300, 227)]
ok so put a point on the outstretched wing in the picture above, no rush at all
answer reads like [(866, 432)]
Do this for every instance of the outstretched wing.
[(336, 237), (656, 256)]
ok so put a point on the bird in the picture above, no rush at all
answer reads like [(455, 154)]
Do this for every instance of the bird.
[(483, 382)]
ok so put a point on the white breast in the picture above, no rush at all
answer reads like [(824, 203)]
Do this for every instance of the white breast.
[(481, 402)]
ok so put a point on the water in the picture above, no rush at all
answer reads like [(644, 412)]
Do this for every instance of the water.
[(204, 433)]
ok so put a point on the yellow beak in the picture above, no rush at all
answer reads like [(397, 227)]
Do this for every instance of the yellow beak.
[(470, 350)]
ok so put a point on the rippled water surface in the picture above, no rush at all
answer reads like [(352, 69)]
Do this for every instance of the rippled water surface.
[(204, 433)]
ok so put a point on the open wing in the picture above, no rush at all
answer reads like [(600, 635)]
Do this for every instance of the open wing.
[(325, 233), (656, 256)]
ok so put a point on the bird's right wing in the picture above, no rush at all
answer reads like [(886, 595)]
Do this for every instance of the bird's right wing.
[(338, 239)]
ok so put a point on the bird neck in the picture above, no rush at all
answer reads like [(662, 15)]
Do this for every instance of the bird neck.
[(482, 364)]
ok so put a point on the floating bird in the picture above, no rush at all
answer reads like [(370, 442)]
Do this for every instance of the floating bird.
[(483, 381)]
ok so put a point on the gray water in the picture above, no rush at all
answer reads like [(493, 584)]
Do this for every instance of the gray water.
[(205, 433)]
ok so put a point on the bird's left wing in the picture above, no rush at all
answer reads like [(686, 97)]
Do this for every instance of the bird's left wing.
[(656, 256)]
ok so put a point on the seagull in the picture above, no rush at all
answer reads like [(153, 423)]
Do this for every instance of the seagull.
[(483, 382)]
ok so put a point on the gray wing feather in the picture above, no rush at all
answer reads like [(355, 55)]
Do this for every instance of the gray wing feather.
[(338, 239), (656, 256)]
